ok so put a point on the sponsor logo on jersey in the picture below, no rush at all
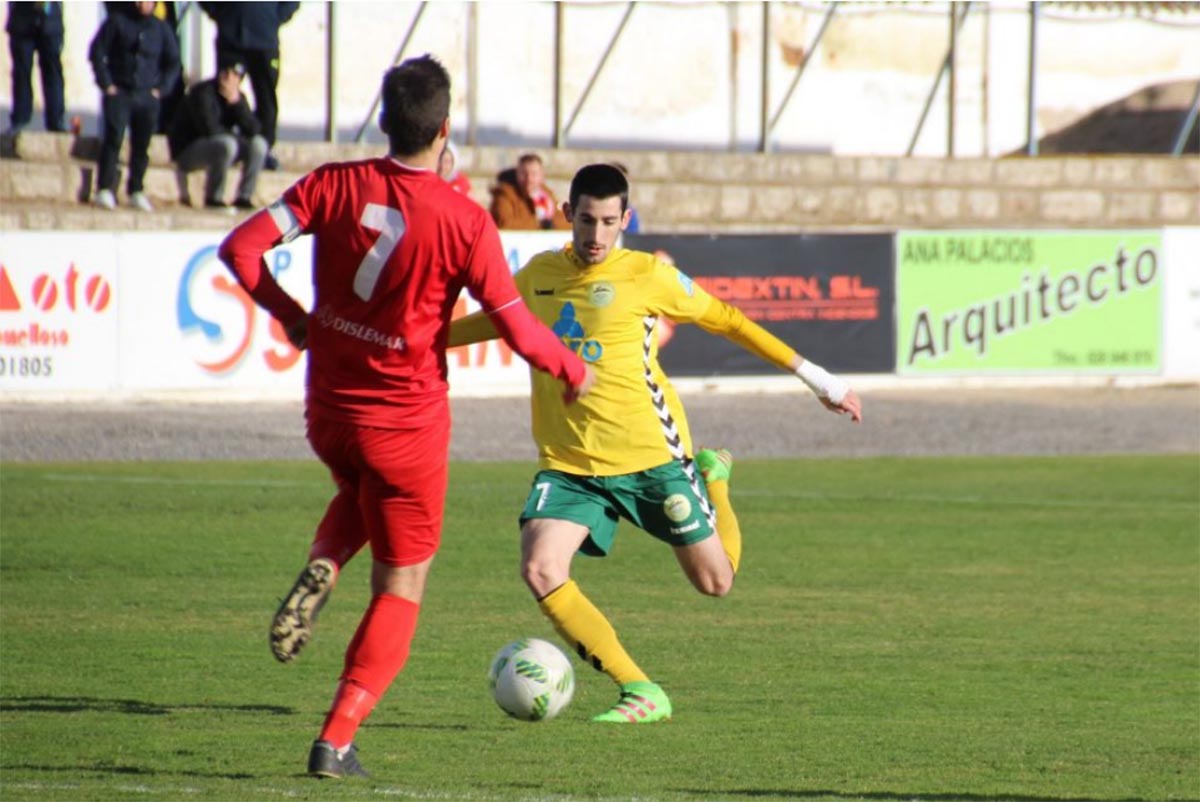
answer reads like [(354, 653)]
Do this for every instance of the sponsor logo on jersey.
[(686, 281), (683, 530), (329, 319), (571, 332), (677, 507), (601, 293)]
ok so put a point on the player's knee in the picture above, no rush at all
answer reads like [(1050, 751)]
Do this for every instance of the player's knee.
[(540, 576), (714, 584)]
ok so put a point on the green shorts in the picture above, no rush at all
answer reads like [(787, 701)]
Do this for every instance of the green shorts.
[(666, 501)]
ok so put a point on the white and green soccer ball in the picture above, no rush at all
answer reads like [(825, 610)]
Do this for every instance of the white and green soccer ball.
[(531, 679)]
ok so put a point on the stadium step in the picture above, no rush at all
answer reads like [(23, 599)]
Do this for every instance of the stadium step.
[(47, 181)]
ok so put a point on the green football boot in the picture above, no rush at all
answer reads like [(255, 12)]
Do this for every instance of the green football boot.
[(716, 465), (640, 703)]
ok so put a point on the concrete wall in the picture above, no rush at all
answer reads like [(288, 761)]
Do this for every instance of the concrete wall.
[(689, 75), (684, 192)]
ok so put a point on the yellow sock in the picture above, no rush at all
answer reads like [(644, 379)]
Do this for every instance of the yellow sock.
[(589, 633), (727, 522)]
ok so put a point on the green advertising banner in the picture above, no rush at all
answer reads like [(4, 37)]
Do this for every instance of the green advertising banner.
[(1037, 301)]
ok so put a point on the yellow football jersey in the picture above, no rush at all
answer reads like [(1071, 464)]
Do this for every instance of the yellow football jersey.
[(608, 314)]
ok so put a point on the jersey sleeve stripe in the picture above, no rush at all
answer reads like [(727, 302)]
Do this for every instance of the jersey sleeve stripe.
[(502, 307), (285, 220)]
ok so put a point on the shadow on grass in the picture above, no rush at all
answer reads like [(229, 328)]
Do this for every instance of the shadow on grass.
[(133, 707), (415, 726), (752, 793), (129, 771)]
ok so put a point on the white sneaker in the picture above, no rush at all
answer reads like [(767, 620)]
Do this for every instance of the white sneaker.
[(105, 199), (139, 201)]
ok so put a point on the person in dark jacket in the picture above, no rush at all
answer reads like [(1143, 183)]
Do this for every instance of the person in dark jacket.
[(249, 33), (136, 61), (213, 130), (36, 28)]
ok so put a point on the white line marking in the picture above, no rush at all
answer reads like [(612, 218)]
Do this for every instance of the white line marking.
[(977, 500), (161, 480)]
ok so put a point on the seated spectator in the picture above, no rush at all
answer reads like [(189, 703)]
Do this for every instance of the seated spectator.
[(524, 202), (449, 172), (213, 130), (249, 33)]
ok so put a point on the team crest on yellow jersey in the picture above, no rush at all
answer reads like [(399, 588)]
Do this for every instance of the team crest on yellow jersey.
[(601, 293)]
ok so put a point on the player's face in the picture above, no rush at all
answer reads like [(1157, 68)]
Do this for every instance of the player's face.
[(595, 225)]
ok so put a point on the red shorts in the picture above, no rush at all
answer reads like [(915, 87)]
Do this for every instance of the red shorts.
[(391, 486)]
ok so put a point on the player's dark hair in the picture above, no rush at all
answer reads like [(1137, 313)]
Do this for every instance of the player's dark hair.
[(416, 101), (599, 181)]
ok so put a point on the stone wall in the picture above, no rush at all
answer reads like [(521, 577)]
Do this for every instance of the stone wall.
[(44, 176)]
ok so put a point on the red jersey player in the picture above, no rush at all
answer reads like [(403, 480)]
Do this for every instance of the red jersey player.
[(394, 246)]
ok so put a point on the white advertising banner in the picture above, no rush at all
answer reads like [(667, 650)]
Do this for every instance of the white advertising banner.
[(194, 327), (145, 312), (60, 298), (1181, 304)]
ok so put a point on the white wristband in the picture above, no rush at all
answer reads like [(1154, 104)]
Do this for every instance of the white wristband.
[(822, 382)]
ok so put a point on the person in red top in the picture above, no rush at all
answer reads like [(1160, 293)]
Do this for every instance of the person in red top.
[(450, 173), (394, 245)]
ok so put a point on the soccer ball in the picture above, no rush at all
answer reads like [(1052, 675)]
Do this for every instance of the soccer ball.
[(531, 679)]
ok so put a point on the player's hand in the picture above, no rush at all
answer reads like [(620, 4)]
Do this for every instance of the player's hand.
[(574, 393), (850, 404), (297, 334)]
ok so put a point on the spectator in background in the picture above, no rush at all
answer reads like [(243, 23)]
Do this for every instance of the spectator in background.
[(249, 33), (169, 103), (524, 202), (635, 223), (36, 28), (213, 130), (448, 170), (136, 61)]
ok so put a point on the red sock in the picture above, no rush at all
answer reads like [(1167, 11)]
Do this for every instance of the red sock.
[(374, 657), (351, 705)]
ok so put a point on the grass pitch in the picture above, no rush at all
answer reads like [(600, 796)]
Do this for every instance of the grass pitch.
[(925, 629)]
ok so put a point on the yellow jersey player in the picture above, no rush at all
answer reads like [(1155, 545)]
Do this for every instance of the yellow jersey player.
[(624, 451)]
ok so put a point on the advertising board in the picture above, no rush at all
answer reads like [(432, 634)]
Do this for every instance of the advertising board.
[(987, 302), (830, 296), (60, 299), (145, 312)]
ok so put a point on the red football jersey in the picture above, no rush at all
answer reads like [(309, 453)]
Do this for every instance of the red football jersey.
[(394, 246)]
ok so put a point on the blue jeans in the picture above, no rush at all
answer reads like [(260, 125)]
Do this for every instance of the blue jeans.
[(216, 154), (49, 52), (137, 110)]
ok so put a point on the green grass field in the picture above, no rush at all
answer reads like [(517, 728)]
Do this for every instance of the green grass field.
[(916, 629)]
